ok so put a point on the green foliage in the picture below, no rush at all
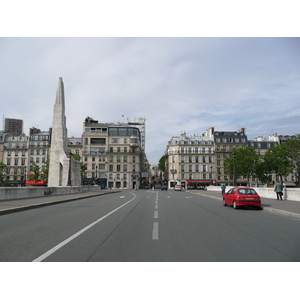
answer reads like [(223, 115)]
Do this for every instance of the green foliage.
[(246, 160), (276, 161), (2, 174), (161, 163), (35, 172), (292, 152)]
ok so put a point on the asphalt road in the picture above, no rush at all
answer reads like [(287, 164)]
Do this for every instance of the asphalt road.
[(148, 226)]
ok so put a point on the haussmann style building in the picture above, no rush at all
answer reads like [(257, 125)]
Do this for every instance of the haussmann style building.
[(112, 154)]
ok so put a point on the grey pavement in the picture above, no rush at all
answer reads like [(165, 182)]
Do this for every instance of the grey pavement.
[(284, 207), (9, 206)]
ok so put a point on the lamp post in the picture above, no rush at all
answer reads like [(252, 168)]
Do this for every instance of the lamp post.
[(234, 169)]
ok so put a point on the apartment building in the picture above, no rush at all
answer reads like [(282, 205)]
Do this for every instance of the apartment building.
[(39, 147), (75, 145), (15, 156), (112, 154), (225, 141), (190, 161), (13, 126)]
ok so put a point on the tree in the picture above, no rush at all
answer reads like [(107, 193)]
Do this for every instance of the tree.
[(161, 163), (276, 161), (292, 151), (245, 159), (2, 174), (46, 170), (35, 174)]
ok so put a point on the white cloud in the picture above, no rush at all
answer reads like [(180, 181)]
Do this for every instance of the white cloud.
[(177, 84)]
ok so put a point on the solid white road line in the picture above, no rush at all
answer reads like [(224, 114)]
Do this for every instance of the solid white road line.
[(155, 231), (57, 247)]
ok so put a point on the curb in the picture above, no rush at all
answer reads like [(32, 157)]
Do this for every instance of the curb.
[(274, 210), (37, 205)]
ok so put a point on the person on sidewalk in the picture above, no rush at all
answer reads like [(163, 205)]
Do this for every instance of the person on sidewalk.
[(223, 187), (278, 189)]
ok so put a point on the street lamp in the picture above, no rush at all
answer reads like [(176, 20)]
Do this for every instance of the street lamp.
[(234, 169)]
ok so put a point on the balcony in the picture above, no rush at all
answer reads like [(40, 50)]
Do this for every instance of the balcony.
[(173, 171)]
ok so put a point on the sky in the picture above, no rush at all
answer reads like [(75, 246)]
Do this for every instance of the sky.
[(182, 69), (176, 84)]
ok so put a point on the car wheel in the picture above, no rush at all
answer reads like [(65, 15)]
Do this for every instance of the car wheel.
[(234, 205), (224, 202)]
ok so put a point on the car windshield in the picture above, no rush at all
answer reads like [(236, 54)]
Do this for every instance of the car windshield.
[(247, 192)]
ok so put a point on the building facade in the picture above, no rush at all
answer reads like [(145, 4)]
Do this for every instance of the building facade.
[(39, 147), (190, 161), (13, 126), (112, 154), (15, 156)]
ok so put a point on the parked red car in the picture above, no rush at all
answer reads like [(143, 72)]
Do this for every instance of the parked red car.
[(242, 196)]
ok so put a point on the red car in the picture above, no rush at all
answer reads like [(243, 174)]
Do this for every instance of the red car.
[(242, 196)]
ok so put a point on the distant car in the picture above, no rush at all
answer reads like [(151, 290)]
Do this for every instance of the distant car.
[(242, 196), (177, 188), (164, 188)]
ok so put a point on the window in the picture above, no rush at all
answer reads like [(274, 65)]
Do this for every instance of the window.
[(122, 131), (118, 158), (16, 161), (8, 161), (125, 158), (98, 141), (124, 168), (115, 141), (111, 168), (111, 159)]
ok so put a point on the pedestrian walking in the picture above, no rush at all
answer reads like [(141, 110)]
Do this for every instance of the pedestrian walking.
[(278, 189), (223, 187)]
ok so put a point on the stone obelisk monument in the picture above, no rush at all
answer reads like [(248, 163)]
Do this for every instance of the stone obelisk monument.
[(63, 170)]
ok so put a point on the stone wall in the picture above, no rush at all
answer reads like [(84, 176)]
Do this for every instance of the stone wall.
[(32, 192), (288, 193)]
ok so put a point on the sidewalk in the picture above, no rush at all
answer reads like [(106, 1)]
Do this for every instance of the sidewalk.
[(285, 207), (8, 206)]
